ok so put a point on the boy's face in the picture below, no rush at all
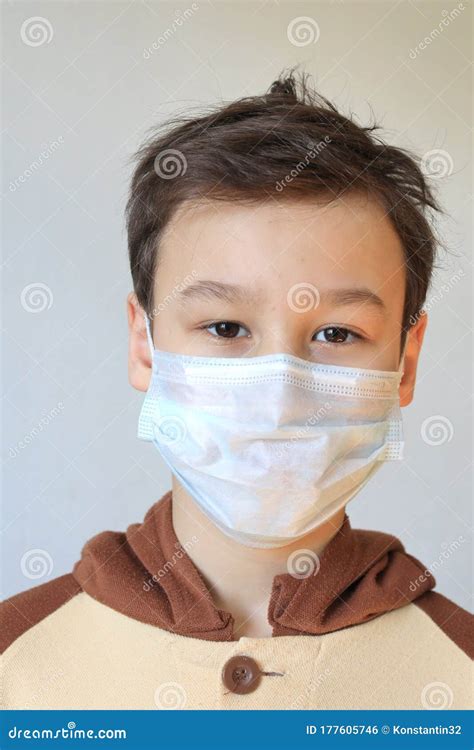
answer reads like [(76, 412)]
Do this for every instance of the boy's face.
[(323, 282)]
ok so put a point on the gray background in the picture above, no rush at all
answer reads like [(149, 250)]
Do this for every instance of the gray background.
[(72, 465)]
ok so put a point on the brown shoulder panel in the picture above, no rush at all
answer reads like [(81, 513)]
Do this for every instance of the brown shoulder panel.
[(26, 609), (457, 623)]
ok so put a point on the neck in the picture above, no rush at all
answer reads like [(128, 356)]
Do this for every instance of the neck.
[(239, 578)]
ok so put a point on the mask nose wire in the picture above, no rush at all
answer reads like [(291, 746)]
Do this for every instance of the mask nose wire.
[(148, 334)]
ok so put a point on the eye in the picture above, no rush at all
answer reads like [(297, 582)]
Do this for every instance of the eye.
[(227, 329), (336, 335)]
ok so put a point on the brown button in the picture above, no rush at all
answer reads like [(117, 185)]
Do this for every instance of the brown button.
[(241, 674)]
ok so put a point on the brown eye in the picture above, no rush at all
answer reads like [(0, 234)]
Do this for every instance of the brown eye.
[(335, 335), (226, 329)]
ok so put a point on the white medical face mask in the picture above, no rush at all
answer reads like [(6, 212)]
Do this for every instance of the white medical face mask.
[(270, 446)]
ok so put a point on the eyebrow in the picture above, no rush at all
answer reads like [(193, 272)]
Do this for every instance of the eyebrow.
[(353, 296), (208, 289)]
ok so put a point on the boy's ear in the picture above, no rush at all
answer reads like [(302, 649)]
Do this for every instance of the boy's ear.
[(139, 355), (414, 342)]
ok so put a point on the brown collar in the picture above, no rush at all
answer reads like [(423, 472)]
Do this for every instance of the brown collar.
[(145, 573)]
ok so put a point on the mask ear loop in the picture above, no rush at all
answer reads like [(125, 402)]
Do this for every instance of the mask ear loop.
[(148, 334), (401, 370)]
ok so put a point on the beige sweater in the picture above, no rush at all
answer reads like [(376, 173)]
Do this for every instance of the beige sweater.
[(134, 626)]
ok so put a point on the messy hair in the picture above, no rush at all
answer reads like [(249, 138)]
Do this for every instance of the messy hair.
[(290, 143)]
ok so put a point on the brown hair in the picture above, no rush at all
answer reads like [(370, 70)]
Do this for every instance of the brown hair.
[(258, 148)]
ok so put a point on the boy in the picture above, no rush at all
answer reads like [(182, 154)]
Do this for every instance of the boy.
[(280, 257)]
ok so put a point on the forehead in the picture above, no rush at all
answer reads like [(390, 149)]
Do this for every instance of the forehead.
[(348, 239)]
